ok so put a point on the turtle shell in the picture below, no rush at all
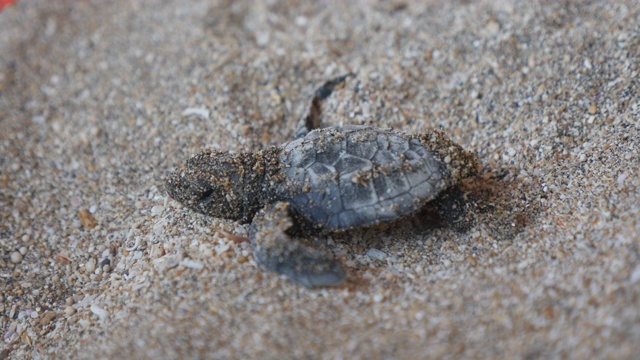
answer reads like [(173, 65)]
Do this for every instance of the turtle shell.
[(342, 178)]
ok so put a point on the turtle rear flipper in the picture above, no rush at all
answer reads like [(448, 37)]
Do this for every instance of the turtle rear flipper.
[(276, 251), (313, 117)]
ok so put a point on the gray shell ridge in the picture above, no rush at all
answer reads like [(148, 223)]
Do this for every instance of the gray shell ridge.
[(342, 178)]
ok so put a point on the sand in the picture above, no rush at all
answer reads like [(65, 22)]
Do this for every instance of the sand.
[(99, 101)]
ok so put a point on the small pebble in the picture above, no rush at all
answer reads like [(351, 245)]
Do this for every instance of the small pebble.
[(207, 253), (69, 310), (16, 257), (100, 312), (157, 209), (23, 250), (48, 316), (90, 266), (87, 220), (376, 254), (76, 201)]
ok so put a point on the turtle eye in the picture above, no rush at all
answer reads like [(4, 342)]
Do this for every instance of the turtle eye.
[(203, 191), (205, 195)]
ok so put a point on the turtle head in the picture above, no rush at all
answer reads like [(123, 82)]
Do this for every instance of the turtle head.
[(219, 184)]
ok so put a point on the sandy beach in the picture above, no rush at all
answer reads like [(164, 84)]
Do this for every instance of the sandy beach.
[(101, 100)]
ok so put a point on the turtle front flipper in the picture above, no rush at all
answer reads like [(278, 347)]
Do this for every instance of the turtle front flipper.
[(313, 118), (276, 251)]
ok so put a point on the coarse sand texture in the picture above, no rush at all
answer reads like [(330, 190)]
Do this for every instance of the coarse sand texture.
[(101, 101)]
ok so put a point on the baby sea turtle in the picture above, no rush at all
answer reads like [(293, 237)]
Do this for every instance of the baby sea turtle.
[(326, 180)]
